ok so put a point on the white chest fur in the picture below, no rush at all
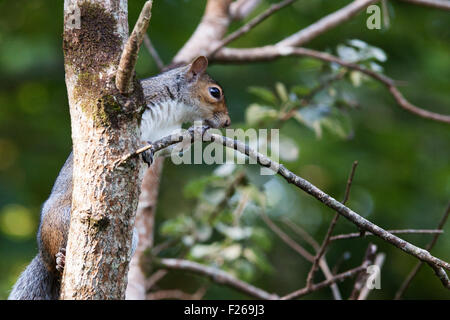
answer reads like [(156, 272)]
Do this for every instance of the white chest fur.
[(165, 118)]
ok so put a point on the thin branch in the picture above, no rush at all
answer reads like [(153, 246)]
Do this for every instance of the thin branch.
[(354, 235), (302, 292), (302, 233), (268, 53), (250, 25), (153, 52), (326, 23), (416, 268), (229, 191), (286, 239), (216, 275), (438, 4), (363, 289), (442, 275), (155, 278), (361, 279), (379, 261), (177, 294), (124, 75), (242, 8), (203, 134), (322, 263), (326, 240), (210, 30)]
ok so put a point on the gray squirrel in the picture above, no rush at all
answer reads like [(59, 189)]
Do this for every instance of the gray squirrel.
[(183, 94)]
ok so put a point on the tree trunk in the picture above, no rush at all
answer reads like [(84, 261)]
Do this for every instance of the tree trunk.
[(104, 127)]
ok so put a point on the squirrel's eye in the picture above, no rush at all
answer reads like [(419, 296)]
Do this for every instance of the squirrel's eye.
[(215, 92)]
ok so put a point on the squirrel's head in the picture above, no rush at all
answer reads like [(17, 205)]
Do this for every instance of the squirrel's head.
[(206, 95)]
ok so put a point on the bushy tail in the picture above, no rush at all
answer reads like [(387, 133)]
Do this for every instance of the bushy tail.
[(36, 283)]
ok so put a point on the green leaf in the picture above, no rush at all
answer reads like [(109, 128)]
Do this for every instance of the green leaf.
[(258, 258), (261, 238), (236, 233), (300, 90), (256, 113), (244, 270), (177, 226), (348, 54), (232, 252), (356, 78), (288, 148), (264, 94), (202, 251), (282, 92), (196, 187)]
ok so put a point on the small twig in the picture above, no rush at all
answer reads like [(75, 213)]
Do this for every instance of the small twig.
[(286, 239), (177, 294), (151, 49), (354, 235), (326, 23), (272, 52), (361, 279), (155, 277), (229, 191), (216, 275), (302, 233), (438, 4), (442, 275), (342, 258), (379, 261), (307, 99), (250, 25), (240, 9), (326, 240), (303, 252), (416, 268), (302, 292), (129, 55)]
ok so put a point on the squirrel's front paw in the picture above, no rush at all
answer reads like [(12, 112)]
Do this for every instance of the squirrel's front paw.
[(147, 156), (61, 259)]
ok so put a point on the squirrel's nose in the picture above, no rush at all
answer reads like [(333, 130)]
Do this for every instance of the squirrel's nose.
[(227, 123)]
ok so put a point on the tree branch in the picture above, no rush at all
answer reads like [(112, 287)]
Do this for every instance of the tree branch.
[(151, 49), (402, 231), (332, 20), (417, 267), (364, 224), (268, 53), (326, 240), (438, 4), (250, 25), (240, 9), (302, 233), (212, 28), (217, 276), (125, 72), (302, 292), (361, 279), (322, 263)]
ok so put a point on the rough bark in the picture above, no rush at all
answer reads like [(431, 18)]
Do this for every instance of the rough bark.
[(104, 126)]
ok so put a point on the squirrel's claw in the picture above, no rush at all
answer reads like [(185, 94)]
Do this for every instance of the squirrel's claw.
[(147, 155), (61, 260)]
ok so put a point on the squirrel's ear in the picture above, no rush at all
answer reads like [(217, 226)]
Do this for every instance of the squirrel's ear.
[(198, 66)]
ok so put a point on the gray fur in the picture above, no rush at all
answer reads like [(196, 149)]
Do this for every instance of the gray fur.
[(36, 283)]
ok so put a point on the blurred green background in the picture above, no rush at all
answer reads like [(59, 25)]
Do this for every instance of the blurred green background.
[(403, 178)]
